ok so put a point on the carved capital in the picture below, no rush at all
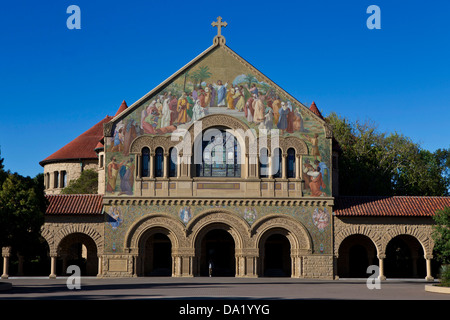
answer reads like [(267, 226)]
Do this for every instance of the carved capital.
[(108, 129)]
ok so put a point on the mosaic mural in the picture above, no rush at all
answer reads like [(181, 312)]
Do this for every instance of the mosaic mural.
[(218, 84), (317, 220)]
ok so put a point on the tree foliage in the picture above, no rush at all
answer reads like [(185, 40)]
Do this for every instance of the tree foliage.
[(377, 163), (441, 235), (22, 208), (87, 183), (3, 173)]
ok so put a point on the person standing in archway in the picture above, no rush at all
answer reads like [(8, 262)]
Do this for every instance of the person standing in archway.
[(210, 266)]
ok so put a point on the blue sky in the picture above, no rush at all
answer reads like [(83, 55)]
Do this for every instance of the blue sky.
[(56, 83)]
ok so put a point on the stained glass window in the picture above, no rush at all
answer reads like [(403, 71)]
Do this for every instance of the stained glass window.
[(145, 161), (220, 156), (291, 163), (159, 162), (276, 163)]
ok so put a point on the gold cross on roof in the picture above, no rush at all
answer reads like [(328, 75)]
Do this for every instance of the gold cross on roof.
[(219, 24)]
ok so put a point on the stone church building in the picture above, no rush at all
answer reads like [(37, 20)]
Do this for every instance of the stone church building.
[(220, 165)]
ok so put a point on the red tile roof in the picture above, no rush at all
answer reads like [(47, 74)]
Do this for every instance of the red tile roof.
[(81, 147), (122, 107), (399, 206), (99, 146), (314, 109), (90, 204)]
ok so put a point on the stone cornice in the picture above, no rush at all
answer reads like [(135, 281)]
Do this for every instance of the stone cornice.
[(312, 202)]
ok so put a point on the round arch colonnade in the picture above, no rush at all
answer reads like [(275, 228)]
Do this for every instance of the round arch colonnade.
[(377, 244), (186, 242), (248, 245)]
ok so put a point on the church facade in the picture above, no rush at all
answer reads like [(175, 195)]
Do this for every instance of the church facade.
[(218, 166)]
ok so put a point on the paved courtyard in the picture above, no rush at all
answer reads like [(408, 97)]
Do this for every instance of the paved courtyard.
[(200, 288)]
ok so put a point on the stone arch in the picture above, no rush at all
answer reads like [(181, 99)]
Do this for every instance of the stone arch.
[(196, 147), (295, 231), (47, 235), (296, 143), (423, 237), (285, 143), (166, 223), (227, 121), (356, 253), (218, 218), (152, 142), (367, 231), (74, 229)]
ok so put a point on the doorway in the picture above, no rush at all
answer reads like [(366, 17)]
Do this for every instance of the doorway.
[(217, 246)]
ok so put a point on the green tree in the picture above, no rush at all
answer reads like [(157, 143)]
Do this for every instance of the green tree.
[(3, 173), (22, 208), (377, 163), (87, 183), (441, 237)]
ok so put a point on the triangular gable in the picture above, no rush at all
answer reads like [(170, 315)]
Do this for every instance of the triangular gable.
[(198, 61), (219, 82)]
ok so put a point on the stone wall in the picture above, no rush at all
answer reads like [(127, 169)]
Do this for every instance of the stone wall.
[(73, 171), (318, 266)]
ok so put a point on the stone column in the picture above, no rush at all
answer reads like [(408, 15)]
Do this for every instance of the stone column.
[(176, 263), (284, 166), (99, 266), (152, 164), (6, 253), (428, 259), (53, 267), (269, 167), (138, 166), (247, 166), (298, 164), (166, 165), (188, 166), (381, 266), (179, 158)]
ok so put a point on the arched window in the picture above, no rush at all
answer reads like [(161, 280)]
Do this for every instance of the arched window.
[(277, 163), (291, 163), (63, 179), (159, 162), (145, 162), (56, 179), (220, 155), (173, 161), (263, 163)]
